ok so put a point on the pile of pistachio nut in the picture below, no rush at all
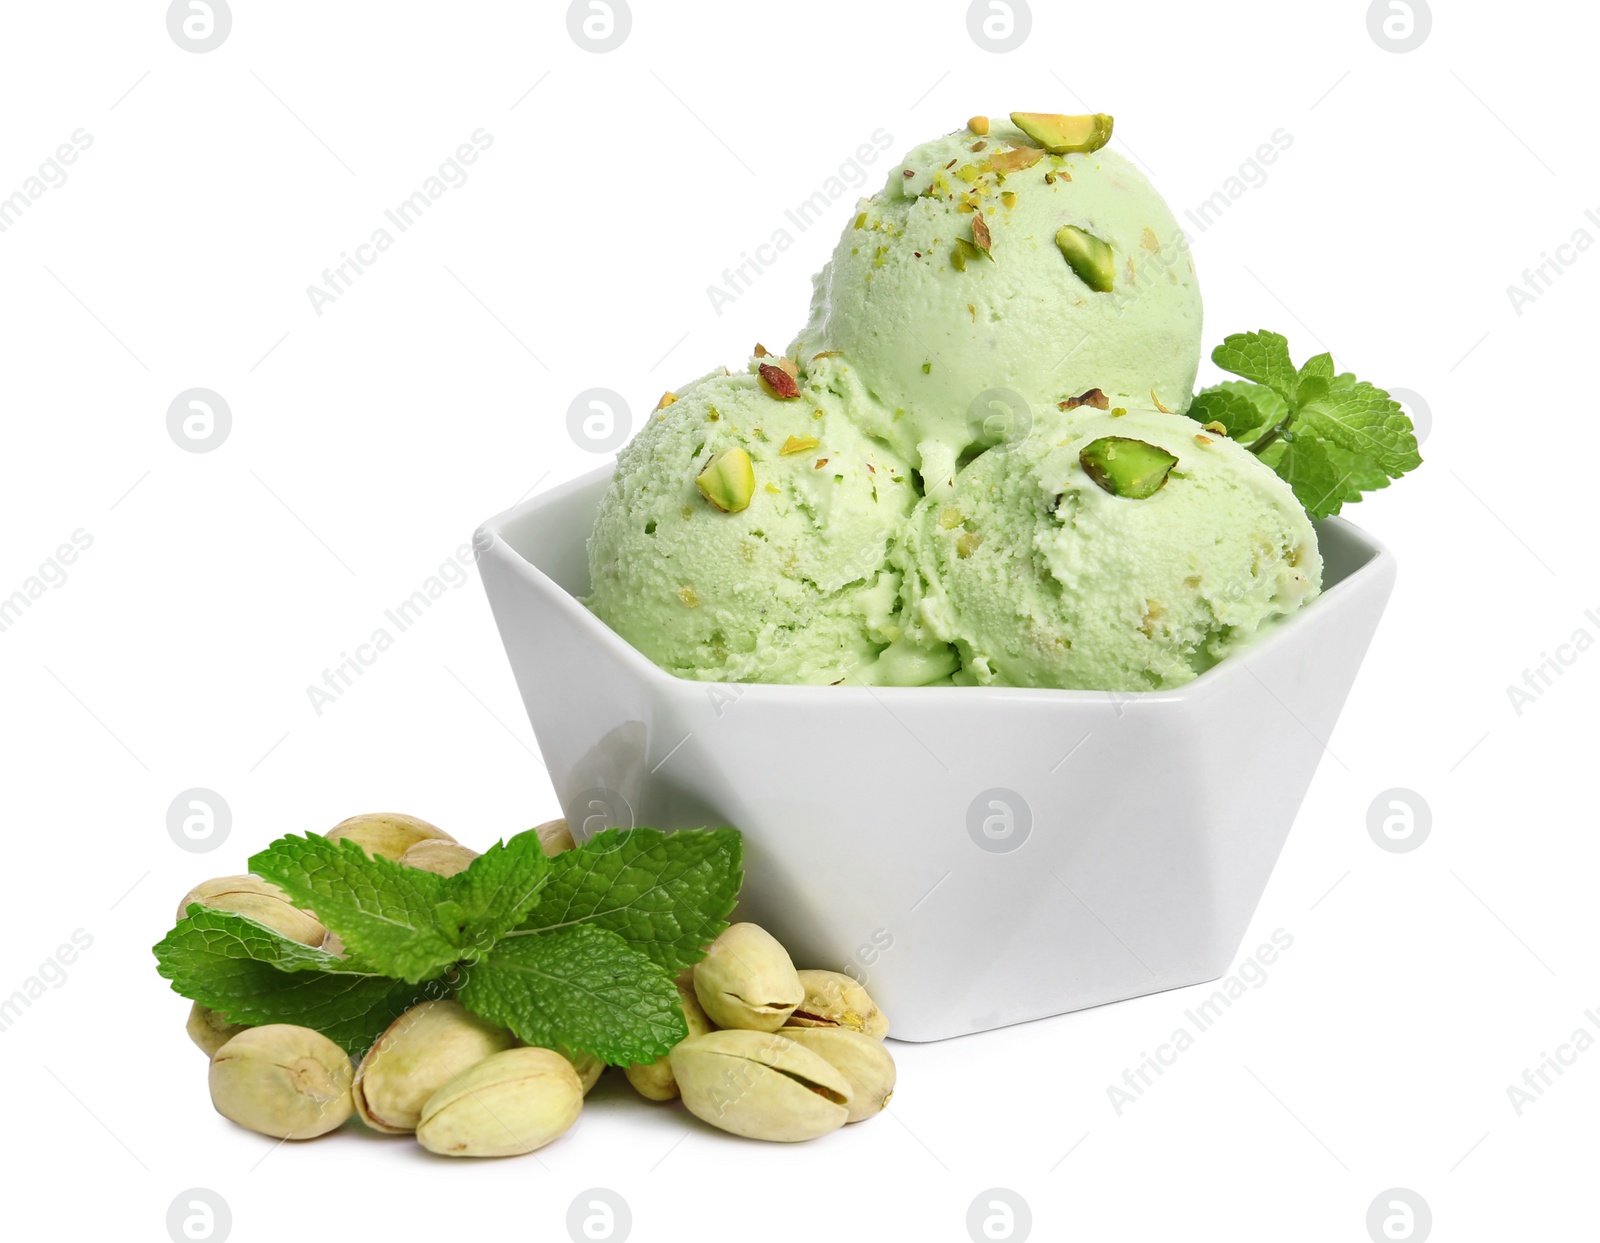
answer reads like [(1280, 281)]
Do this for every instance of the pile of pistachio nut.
[(772, 1053)]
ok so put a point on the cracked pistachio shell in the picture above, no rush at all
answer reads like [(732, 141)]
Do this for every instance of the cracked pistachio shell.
[(653, 1080), (259, 900), (439, 856), (833, 999), (210, 1030), (424, 1049), (555, 836), (746, 980), (862, 1060), (508, 1104), (760, 1085), (284, 1081), (386, 833)]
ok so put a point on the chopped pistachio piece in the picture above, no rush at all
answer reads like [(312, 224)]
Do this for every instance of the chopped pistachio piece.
[(1059, 134), (689, 596), (1218, 428), (1089, 257), (968, 544), (1164, 410), (1127, 468), (798, 444), (978, 125), (779, 382), (1009, 198), (964, 250), (980, 234), (728, 481), (1014, 160), (667, 399), (1094, 397)]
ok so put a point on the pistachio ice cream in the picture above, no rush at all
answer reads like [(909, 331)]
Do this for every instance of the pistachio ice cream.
[(988, 262), (1122, 552), (941, 482), (745, 536)]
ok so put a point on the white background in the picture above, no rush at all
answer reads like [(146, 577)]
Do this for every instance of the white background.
[(368, 442)]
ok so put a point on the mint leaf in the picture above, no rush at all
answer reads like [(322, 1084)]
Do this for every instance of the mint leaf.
[(1242, 408), (1321, 484), (254, 976), (1262, 357), (1317, 367), (387, 914), (495, 893), (668, 895), (580, 986), (1363, 419), (1330, 436)]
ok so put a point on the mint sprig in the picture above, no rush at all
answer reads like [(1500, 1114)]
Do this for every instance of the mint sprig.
[(1330, 436), (577, 951)]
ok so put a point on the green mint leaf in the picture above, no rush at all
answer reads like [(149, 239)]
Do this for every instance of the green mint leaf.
[(1318, 367), (1243, 408), (254, 976), (1262, 357), (580, 986), (385, 913), (495, 893), (666, 894), (1363, 419), (1321, 482)]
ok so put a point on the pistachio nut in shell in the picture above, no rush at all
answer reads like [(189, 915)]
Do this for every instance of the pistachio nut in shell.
[(555, 836), (259, 900), (209, 1029), (653, 1080), (862, 1060), (386, 833), (833, 999), (586, 1066), (760, 1085), (439, 856), (508, 1104), (746, 980), (424, 1049), (284, 1081)]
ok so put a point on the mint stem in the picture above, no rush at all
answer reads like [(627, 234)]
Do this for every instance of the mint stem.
[(1271, 434)]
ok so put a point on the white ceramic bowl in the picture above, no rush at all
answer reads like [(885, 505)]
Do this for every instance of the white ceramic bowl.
[(976, 856)]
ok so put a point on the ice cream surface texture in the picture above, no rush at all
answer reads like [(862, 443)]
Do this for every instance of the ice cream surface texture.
[(972, 467), (791, 586), (1042, 577), (927, 318)]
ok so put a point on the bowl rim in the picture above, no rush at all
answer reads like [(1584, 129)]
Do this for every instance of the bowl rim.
[(490, 538)]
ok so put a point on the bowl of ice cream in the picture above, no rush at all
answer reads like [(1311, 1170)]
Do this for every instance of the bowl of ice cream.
[(978, 856), (1012, 675)]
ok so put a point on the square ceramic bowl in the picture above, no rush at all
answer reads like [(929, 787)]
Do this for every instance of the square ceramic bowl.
[(975, 856)]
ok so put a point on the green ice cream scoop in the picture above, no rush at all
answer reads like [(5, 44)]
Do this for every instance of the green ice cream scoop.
[(989, 263), (1107, 553), (745, 535)]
